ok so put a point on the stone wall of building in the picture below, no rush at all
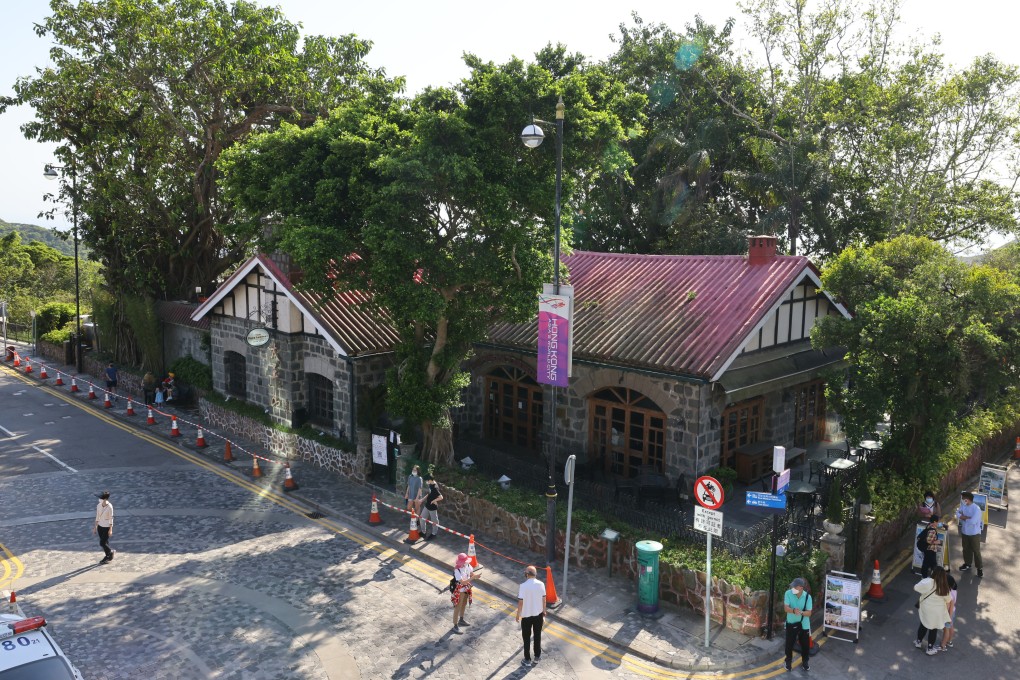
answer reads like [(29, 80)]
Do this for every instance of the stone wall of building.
[(184, 341)]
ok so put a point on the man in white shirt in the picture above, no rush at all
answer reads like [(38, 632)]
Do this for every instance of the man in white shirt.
[(104, 525), (531, 613)]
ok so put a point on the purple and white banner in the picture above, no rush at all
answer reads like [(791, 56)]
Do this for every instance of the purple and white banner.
[(554, 355)]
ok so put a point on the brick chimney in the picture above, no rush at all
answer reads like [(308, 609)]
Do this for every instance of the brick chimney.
[(761, 249)]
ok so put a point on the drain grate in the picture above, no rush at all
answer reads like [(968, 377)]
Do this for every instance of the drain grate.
[(314, 515)]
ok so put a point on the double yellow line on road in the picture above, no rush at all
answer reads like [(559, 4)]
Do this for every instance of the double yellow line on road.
[(633, 664)]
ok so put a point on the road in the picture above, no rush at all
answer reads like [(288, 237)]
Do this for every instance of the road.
[(216, 577)]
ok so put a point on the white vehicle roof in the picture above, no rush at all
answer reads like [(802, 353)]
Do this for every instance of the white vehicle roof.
[(32, 647)]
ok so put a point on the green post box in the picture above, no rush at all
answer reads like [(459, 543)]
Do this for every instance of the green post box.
[(648, 576)]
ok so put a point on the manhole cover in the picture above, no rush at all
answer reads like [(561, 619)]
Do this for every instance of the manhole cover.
[(314, 515)]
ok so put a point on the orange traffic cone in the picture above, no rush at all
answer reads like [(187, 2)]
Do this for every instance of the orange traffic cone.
[(74, 385), (551, 598), (1016, 451), (92, 393), (200, 440), (471, 551), (151, 420), (412, 534), (28, 365), (17, 359), (875, 592), (106, 400), (228, 455), (256, 471), (373, 516), (14, 597), (42, 372), (130, 408), (288, 479), (174, 430), (60, 380)]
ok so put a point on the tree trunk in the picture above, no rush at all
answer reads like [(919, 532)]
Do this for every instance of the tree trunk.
[(438, 445)]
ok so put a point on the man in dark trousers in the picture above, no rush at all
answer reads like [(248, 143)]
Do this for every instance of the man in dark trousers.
[(430, 510), (797, 605), (111, 380), (104, 525), (930, 539), (531, 603)]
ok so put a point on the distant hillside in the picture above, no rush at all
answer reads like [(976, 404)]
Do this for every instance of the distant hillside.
[(47, 235)]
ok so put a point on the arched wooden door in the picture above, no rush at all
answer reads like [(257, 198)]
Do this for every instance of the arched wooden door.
[(513, 407), (627, 431)]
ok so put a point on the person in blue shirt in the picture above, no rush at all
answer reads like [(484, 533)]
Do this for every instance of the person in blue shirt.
[(969, 516), (797, 605)]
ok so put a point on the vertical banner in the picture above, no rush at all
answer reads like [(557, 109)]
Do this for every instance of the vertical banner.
[(555, 313)]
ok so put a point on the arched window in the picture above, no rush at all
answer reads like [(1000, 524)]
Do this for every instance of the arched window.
[(627, 432), (320, 399), (513, 407), (234, 365)]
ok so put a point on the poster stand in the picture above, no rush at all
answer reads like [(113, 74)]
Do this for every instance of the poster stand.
[(941, 558), (992, 483), (842, 613)]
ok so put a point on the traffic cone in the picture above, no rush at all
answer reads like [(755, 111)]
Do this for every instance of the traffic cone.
[(130, 408), (174, 431), (200, 440), (74, 385), (106, 400), (288, 479), (151, 420), (412, 534), (92, 392), (373, 516), (14, 597), (228, 455), (17, 359), (60, 380), (1016, 451), (28, 365), (875, 592), (471, 552), (42, 372), (256, 471), (551, 598)]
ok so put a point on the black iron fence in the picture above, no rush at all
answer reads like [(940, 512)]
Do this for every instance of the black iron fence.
[(659, 517)]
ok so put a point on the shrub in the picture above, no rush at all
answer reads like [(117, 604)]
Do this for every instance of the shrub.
[(53, 316), (191, 371), (57, 337)]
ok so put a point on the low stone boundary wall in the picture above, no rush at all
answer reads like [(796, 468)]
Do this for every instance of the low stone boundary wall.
[(287, 445)]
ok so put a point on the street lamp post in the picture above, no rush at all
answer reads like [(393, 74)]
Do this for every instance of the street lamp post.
[(532, 136), (50, 172)]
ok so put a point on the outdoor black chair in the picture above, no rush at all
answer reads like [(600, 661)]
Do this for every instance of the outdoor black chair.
[(835, 453), (817, 469)]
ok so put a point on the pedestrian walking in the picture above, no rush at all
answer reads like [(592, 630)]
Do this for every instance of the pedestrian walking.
[(104, 525), (969, 516), (111, 379), (949, 631), (930, 543), (797, 605), (412, 495), (933, 611), (531, 604), (460, 596), (430, 510)]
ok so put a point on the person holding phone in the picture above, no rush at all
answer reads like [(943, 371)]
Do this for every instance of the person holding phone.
[(797, 605)]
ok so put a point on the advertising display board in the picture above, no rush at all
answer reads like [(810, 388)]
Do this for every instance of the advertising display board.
[(981, 500), (842, 605), (992, 483), (941, 558)]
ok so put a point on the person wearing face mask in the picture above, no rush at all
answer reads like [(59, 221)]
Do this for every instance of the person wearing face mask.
[(413, 493), (969, 516), (930, 506), (797, 605)]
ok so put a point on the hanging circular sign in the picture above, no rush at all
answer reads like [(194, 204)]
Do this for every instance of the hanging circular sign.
[(257, 337)]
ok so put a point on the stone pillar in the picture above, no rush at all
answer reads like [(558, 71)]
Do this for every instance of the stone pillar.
[(835, 546), (865, 544)]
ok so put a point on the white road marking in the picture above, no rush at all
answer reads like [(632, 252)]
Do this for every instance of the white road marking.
[(50, 456)]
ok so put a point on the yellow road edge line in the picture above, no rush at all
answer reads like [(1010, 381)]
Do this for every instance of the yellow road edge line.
[(637, 665)]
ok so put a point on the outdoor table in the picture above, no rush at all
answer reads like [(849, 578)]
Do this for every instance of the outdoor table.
[(802, 495), (840, 464), (801, 488), (871, 445)]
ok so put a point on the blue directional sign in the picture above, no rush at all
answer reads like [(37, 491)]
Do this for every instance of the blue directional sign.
[(766, 502)]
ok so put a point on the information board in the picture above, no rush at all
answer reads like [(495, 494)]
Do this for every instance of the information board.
[(941, 557), (842, 604), (992, 483), (709, 521), (379, 449), (767, 502), (981, 500)]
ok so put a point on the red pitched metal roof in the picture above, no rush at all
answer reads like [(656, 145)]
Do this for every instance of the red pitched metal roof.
[(179, 313), (685, 314)]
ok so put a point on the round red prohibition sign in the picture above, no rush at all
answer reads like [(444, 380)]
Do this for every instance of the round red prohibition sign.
[(708, 492)]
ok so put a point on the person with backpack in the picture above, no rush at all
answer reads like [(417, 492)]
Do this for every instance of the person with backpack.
[(797, 605), (929, 544), (460, 594)]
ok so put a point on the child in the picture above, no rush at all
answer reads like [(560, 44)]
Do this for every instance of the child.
[(949, 631), (160, 395)]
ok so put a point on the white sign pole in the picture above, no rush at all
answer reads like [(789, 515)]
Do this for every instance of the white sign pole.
[(568, 477), (708, 590)]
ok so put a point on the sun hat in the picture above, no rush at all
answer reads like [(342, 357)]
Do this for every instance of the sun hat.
[(461, 560)]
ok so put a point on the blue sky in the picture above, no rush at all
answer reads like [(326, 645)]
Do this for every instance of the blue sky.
[(424, 41)]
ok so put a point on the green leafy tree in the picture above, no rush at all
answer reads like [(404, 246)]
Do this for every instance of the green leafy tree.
[(930, 339), (145, 95), (434, 208)]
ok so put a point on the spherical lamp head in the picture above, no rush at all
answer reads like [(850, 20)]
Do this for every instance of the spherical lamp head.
[(532, 136), (49, 172)]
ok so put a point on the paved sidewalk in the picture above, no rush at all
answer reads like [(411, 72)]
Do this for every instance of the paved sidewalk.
[(601, 606)]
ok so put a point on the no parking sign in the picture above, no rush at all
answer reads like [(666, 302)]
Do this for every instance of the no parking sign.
[(708, 492)]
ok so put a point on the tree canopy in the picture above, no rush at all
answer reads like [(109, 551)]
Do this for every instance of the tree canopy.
[(434, 207), (931, 338)]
